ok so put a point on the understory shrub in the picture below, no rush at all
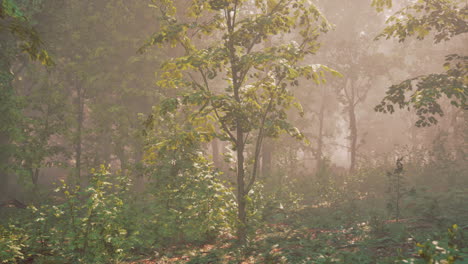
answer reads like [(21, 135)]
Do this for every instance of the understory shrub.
[(188, 202), (82, 225), (192, 206)]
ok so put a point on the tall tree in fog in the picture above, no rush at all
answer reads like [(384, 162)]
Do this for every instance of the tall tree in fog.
[(353, 53), (108, 83), (325, 99), (17, 35), (363, 66), (257, 81)]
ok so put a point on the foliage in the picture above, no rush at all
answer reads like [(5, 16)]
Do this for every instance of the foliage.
[(281, 204), (16, 23), (17, 35), (11, 244), (30, 122), (192, 206), (100, 76), (427, 90), (446, 18), (438, 208), (45, 110), (87, 226), (190, 202), (451, 249)]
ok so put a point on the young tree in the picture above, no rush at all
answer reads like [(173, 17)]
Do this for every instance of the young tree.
[(251, 103)]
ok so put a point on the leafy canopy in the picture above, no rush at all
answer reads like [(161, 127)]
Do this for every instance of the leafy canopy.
[(238, 72), (12, 20), (446, 19)]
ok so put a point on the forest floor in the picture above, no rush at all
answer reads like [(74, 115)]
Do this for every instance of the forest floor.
[(297, 241)]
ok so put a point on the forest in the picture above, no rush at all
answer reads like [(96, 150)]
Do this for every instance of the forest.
[(233, 131)]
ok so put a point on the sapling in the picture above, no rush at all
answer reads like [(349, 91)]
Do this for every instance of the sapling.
[(396, 189)]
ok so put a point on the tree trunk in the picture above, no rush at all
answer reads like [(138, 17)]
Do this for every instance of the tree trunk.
[(216, 155), (34, 176), (414, 143), (79, 121), (6, 94), (4, 157), (352, 137), (319, 155), (267, 149), (241, 203), (120, 152)]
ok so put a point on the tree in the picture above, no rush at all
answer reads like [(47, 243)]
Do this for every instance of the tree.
[(17, 35), (107, 83), (255, 91), (446, 19), (350, 50), (45, 110)]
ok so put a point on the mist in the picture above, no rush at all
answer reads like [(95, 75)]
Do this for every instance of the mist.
[(233, 131)]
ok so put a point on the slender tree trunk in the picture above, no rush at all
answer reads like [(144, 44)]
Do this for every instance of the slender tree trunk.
[(319, 156), (6, 94), (352, 137), (414, 142), (398, 198), (241, 206), (120, 151), (4, 157), (239, 140), (79, 121), (267, 149), (34, 176), (106, 149), (456, 139), (137, 171), (216, 155), (240, 144)]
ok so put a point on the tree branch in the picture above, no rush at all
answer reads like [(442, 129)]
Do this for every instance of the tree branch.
[(223, 125)]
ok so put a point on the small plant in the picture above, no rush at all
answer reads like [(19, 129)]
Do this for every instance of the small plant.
[(377, 226), (396, 189)]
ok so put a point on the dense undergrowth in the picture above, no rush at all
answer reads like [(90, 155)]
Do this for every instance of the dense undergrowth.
[(190, 218)]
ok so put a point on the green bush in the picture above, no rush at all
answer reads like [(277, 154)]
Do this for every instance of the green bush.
[(185, 201), (83, 226), (192, 206)]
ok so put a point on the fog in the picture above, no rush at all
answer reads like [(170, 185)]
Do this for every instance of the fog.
[(160, 94)]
